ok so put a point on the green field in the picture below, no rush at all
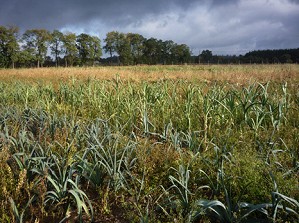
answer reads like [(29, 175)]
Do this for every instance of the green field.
[(150, 144)]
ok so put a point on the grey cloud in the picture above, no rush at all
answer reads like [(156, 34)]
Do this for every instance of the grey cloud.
[(223, 26), (56, 13), (294, 1)]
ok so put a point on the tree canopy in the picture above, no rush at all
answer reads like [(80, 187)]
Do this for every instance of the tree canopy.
[(9, 46), (39, 47), (36, 42)]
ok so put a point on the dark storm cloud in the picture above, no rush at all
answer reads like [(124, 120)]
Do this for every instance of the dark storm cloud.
[(294, 1), (231, 26), (57, 13)]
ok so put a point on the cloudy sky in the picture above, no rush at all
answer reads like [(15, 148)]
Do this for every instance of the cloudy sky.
[(223, 26)]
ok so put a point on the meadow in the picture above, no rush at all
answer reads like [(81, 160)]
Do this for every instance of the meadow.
[(201, 143)]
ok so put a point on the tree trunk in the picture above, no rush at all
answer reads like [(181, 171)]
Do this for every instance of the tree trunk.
[(110, 61)]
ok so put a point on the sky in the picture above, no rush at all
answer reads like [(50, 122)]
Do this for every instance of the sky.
[(230, 27)]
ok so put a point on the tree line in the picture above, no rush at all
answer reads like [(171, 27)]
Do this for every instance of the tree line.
[(253, 57), (34, 47), (40, 47)]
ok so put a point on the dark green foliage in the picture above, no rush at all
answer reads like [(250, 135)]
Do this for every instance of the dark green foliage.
[(9, 46), (36, 42), (89, 48), (123, 48)]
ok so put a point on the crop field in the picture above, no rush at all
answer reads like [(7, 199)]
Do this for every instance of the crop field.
[(202, 143)]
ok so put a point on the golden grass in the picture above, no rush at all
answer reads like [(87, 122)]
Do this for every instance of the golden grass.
[(240, 74)]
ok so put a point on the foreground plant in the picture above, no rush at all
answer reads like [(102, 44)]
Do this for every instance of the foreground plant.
[(64, 189), (242, 211), (19, 214), (179, 197)]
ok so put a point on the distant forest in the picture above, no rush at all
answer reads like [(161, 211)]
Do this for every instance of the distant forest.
[(40, 47), (257, 56)]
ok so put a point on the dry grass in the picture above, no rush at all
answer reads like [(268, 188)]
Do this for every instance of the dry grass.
[(241, 74)]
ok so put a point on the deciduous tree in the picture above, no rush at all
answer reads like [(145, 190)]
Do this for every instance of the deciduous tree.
[(9, 46), (118, 43), (36, 41), (183, 53), (137, 46), (69, 48), (56, 45), (167, 51), (111, 41), (89, 48), (95, 49), (153, 51), (206, 56), (123, 49)]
